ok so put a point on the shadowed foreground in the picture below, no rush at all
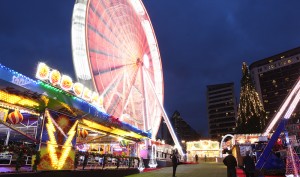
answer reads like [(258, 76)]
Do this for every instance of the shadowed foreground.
[(210, 169)]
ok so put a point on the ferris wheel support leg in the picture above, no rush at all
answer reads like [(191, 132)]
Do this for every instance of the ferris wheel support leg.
[(263, 158), (165, 117)]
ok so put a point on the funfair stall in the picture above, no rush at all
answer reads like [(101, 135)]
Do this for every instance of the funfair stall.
[(203, 148), (58, 118)]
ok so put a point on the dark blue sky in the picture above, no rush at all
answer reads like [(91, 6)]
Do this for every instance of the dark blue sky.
[(202, 42)]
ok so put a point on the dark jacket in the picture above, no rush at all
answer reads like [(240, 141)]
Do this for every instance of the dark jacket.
[(249, 164), (230, 161), (174, 159)]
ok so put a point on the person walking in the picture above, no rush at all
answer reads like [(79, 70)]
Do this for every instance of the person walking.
[(196, 158), (85, 160), (249, 165), (175, 160), (231, 163)]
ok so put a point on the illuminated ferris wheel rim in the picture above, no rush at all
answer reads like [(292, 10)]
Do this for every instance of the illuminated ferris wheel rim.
[(81, 47)]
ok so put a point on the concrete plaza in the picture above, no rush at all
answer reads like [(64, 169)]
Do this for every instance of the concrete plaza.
[(203, 169)]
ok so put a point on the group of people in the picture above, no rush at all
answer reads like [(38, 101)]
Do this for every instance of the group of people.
[(231, 163), (197, 158)]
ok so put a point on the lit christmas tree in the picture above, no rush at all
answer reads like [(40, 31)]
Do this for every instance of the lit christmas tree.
[(251, 113)]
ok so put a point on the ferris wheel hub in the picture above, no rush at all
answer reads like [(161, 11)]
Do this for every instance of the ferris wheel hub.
[(139, 62)]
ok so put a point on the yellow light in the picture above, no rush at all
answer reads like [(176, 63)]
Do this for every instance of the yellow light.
[(45, 99), (95, 98), (115, 131), (14, 107), (52, 144), (78, 89), (95, 125), (87, 94), (66, 82), (68, 108), (42, 72), (67, 146), (55, 77), (15, 99)]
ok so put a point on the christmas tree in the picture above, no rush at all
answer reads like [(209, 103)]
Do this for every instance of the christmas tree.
[(251, 113)]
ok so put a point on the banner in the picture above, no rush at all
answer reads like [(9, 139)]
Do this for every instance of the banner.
[(58, 142)]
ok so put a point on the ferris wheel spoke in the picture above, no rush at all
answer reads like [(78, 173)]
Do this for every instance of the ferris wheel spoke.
[(114, 94), (111, 95), (126, 42), (108, 41), (106, 24), (100, 34), (112, 69), (132, 100), (109, 87), (103, 53), (110, 11), (137, 104), (133, 80), (94, 10)]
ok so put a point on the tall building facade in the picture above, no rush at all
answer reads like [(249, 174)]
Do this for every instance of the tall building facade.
[(221, 109), (274, 77)]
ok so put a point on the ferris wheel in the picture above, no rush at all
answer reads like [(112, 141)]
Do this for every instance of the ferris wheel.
[(115, 52)]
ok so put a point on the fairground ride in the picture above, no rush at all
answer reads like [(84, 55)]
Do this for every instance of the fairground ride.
[(284, 113), (115, 51)]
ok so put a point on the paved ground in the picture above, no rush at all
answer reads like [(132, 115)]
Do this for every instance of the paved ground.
[(208, 169)]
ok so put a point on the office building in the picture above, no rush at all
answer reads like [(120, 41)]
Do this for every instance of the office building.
[(221, 109), (274, 77)]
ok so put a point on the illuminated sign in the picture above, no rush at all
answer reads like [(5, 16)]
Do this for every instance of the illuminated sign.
[(53, 76), (58, 142)]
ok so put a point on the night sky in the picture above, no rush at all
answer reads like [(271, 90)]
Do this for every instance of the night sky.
[(201, 42)]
